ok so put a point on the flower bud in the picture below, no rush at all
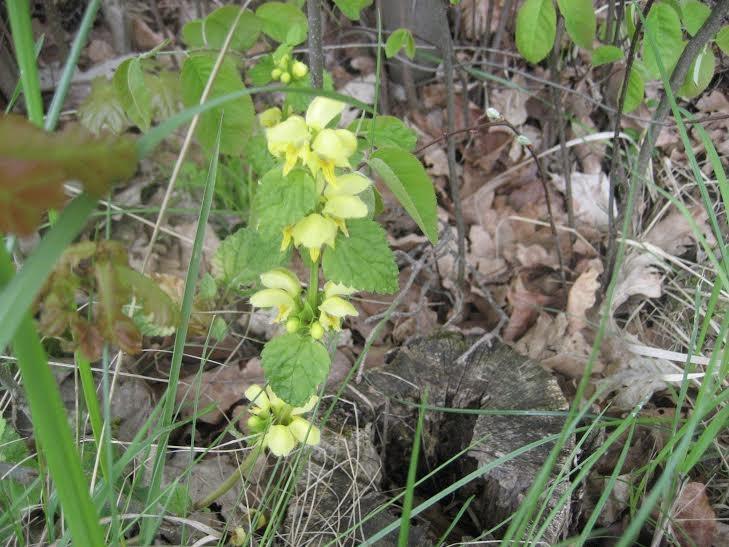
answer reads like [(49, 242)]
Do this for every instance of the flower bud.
[(523, 140), (276, 73), (293, 324), (256, 424), (299, 70), (317, 331), (493, 114), (285, 78)]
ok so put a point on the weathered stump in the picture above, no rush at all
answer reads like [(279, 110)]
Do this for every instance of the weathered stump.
[(457, 375)]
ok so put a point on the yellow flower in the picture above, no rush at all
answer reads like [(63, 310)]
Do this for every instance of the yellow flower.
[(350, 184), (275, 298), (270, 117), (345, 207), (313, 231), (331, 148), (332, 310), (321, 111), (281, 278), (289, 139), (337, 289), (279, 440)]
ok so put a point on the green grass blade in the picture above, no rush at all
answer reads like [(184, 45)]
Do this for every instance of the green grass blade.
[(149, 526), (54, 110), (19, 86), (407, 504), (51, 428), (22, 31)]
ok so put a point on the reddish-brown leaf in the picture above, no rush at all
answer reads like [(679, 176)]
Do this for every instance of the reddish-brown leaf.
[(35, 164)]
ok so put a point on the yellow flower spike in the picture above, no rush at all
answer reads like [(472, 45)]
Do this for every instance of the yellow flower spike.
[(258, 397), (337, 289), (275, 298), (270, 117), (321, 111), (345, 207), (279, 440), (305, 432), (350, 184), (281, 278), (333, 147), (289, 139), (313, 231), (338, 307)]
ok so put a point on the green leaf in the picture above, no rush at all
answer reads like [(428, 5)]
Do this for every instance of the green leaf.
[(239, 115), (536, 27), (363, 260), (192, 34), (387, 131), (179, 501), (260, 73), (280, 19), (216, 26), (158, 307), (694, 15), (399, 39), (133, 94), (246, 254), (405, 176), (722, 39), (352, 8), (102, 110), (634, 94), (606, 54), (12, 446), (166, 94), (295, 365), (665, 27), (699, 75), (579, 20), (283, 200), (256, 154)]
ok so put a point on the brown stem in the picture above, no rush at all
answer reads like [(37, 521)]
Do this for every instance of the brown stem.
[(316, 50)]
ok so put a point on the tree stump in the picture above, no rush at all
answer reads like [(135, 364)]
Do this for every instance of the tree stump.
[(457, 375)]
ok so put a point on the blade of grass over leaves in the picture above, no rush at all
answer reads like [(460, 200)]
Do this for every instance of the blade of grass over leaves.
[(51, 428), (149, 526), (407, 504), (22, 33)]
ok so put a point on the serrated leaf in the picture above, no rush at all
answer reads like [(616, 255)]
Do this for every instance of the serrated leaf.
[(722, 39), (536, 27), (246, 254), (606, 54), (260, 73), (295, 365), (694, 15), (256, 154), (401, 38), (664, 25), (216, 26), (35, 164), (239, 115), (699, 75), (207, 290), (192, 34), (283, 200), (352, 8), (406, 177), (133, 93), (278, 20), (635, 92), (156, 304), (387, 131), (363, 260), (166, 94), (580, 22), (102, 110)]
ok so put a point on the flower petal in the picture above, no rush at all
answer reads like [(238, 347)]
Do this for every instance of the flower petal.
[(291, 132), (274, 298), (321, 111), (270, 117), (337, 289), (304, 431), (311, 403), (350, 184), (338, 307), (335, 146), (345, 207), (281, 278), (257, 396), (279, 440), (314, 231)]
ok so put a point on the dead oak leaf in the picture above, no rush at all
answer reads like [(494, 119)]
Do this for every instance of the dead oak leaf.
[(35, 164), (590, 195), (582, 296), (639, 275), (675, 235)]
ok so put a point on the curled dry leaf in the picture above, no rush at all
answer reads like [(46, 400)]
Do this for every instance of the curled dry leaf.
[(525, 308), (639, 275), (674, 233), (582, 296), (694, 520), (590, 194), (35, 164)]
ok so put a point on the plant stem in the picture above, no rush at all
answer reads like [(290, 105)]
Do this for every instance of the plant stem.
[(241, 473), (312, 292), (316, 50), (19, 15)]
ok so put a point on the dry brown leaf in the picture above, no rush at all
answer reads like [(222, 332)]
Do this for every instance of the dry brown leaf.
[(474, 17), (674, 234), (715, 101), (511, 101), (694, 519), (536, 256), (143, 37), (436, 161), (582, 295), (590, 195), (639, 275), (525, 308)]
